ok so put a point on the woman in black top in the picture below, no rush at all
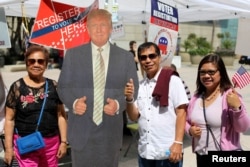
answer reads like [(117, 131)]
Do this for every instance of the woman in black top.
[(23, 107)]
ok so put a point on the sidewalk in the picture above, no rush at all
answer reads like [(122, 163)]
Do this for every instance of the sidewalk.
[(188, 73)]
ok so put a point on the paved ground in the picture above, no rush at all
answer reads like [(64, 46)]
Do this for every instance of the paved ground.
[(188, 74)]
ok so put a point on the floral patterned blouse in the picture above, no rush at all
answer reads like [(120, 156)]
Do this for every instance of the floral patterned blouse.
[(27, 103)]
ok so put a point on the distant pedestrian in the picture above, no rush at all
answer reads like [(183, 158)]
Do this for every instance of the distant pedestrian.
[(173, 67), (133, 50), (60, 58)]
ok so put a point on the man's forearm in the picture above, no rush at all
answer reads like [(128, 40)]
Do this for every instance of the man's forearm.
[(132, 111), (180, 124)]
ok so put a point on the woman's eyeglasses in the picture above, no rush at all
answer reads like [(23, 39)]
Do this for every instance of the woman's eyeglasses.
[(144, 57), (33, 61), (209, 72)]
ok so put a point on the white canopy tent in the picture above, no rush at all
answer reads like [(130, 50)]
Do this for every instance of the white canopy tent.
[(136, 11)]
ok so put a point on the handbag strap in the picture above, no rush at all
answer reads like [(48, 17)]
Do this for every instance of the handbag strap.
[(207, 125), (41, 113), (44, 101)]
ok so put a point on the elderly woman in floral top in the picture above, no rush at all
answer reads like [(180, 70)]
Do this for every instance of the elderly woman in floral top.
[(23, 107)]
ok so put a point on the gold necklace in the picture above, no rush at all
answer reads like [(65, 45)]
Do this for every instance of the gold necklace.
[(213, 95)]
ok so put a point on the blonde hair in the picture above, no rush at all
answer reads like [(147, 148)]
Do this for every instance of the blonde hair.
[(99, 13)]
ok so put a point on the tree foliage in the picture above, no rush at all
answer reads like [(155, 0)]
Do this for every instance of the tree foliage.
[(17, 36)]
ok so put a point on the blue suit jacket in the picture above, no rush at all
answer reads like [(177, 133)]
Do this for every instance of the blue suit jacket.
[(76, 81)]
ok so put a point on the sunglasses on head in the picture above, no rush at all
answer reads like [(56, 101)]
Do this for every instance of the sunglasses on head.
[(209, 72), (33, 61), (144, 57)]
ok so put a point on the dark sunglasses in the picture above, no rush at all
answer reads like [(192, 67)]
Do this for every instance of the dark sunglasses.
[(209, 72), (33, 61), (144, 57)]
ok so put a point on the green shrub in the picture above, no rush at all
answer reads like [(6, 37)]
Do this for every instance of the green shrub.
[(199, 51), (201, 47)]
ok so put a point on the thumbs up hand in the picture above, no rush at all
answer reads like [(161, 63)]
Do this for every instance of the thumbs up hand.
[(233, 99), (129, 90), (195, 130), (80, 106), (111, 107)]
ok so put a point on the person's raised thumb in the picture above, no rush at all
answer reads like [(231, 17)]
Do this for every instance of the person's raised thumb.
[(82, 99), (131, 81)]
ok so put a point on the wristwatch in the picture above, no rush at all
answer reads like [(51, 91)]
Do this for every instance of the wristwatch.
[(65, 142)]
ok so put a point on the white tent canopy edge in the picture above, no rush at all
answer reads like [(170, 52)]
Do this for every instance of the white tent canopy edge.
[(136, 11)]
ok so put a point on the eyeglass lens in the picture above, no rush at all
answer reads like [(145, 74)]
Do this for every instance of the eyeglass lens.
[(209, 72), (151, 56), (33, 61)]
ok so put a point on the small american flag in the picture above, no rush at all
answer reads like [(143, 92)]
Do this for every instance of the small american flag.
[(241, 78)]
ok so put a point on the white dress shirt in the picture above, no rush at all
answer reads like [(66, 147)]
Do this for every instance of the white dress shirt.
[(157, 124)]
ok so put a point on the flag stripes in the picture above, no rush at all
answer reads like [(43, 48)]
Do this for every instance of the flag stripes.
[(241, 78)]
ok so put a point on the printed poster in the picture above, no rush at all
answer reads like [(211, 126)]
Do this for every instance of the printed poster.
[(61, 26), (118, 30), (163, 29)]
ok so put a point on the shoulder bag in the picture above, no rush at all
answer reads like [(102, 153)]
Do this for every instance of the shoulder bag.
[(33, 141)]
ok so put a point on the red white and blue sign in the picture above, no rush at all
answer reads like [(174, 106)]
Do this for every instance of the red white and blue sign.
[(164, 15), (163, 29), (61, 26)]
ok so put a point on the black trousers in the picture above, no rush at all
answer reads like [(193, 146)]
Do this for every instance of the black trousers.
[(201, 160)]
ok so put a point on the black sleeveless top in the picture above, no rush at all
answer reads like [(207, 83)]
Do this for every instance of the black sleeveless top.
[(27, 102)]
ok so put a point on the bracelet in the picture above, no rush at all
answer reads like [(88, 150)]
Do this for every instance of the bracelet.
[(237, 109), (64, 142), (178, 142), (130, 101)]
